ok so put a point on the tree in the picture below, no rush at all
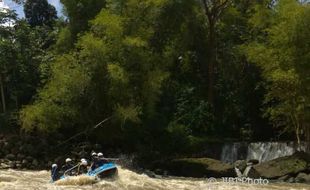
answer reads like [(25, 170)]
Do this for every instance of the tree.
[(282, 57), (7, 51), (213, 10), (124, 51), (238, 94), (22, 53), (40, 13), (79, 13), (114, 58)]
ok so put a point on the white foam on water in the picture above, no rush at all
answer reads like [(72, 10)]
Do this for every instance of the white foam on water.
[(76, 181), (126, 180)]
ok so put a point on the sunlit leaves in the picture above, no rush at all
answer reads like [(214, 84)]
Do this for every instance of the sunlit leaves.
[(129, 113), (58, 101), (117, 74), (107, 24), (277, 56)]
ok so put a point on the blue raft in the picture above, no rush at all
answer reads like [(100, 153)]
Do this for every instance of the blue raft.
[(104, 171)]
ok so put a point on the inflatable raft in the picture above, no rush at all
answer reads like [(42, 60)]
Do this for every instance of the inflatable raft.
[(105, 171)]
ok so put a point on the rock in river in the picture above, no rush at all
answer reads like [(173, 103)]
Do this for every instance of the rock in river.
[(289, 165), (303, 178), (200, 167)]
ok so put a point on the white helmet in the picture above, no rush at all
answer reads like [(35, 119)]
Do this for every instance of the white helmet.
[(54, 166), (94, 154), (100, 154), (84, 162), (68, 160), (83, 159)]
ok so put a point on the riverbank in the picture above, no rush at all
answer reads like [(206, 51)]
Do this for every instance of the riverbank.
[(28, 153), (17, 152), (291, 169)]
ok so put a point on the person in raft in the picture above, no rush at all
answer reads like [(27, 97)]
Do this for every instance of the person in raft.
[(82, 169), (55, 172), (101, 160), (66, 168), (94, 161)]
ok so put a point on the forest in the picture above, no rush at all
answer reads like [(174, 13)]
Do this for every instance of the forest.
[(158, 77)]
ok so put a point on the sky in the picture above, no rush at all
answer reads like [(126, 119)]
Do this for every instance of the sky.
[(19, 8)]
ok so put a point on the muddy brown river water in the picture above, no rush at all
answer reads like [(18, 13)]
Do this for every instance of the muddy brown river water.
[(126, 180)]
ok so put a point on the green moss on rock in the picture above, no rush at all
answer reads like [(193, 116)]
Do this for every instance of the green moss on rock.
[(200, 167), (289, 165)]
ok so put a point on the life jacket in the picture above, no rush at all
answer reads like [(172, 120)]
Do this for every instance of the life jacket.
[(55, 174), (66, 167), (82, 169)]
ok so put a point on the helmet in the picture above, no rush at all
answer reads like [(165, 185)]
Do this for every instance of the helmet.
[(94, 154), (54, 166), (68, 160), (100, 154), (84, 162), (83, 159)]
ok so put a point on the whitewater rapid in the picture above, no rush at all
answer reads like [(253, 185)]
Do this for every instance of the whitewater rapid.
[(126, 180)]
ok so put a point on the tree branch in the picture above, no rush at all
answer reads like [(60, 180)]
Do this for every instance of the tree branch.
[(214, 8)]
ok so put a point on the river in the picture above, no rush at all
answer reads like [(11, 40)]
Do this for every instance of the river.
[(126, 180)]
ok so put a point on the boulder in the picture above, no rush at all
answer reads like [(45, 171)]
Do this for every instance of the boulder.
[(29, 158), (12, 164), (35, 163), (18, 166), (159, 172), (253, 162), (240, 164), (200, 167), (150, 173), (20, 156), (4, 166), (10, 157), (24, 161), (7, 145), (290, 180), (253, 174), (303, 178), (289, 165), (284, 178)]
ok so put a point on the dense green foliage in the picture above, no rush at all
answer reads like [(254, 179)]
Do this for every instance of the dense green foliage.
[(283, 55), (148, 65), (39, 13), (23, 55)]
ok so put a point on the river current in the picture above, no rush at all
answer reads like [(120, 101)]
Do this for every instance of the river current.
[(126, 180)]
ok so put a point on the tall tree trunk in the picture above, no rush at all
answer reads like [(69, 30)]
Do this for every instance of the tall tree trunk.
[(2, 94), (212, 62), (298, 138), (213, 10), (306, 127), (296, 122)]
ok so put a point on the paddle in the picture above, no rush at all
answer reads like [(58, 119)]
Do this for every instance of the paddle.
[(112, 159), (67, 171)]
